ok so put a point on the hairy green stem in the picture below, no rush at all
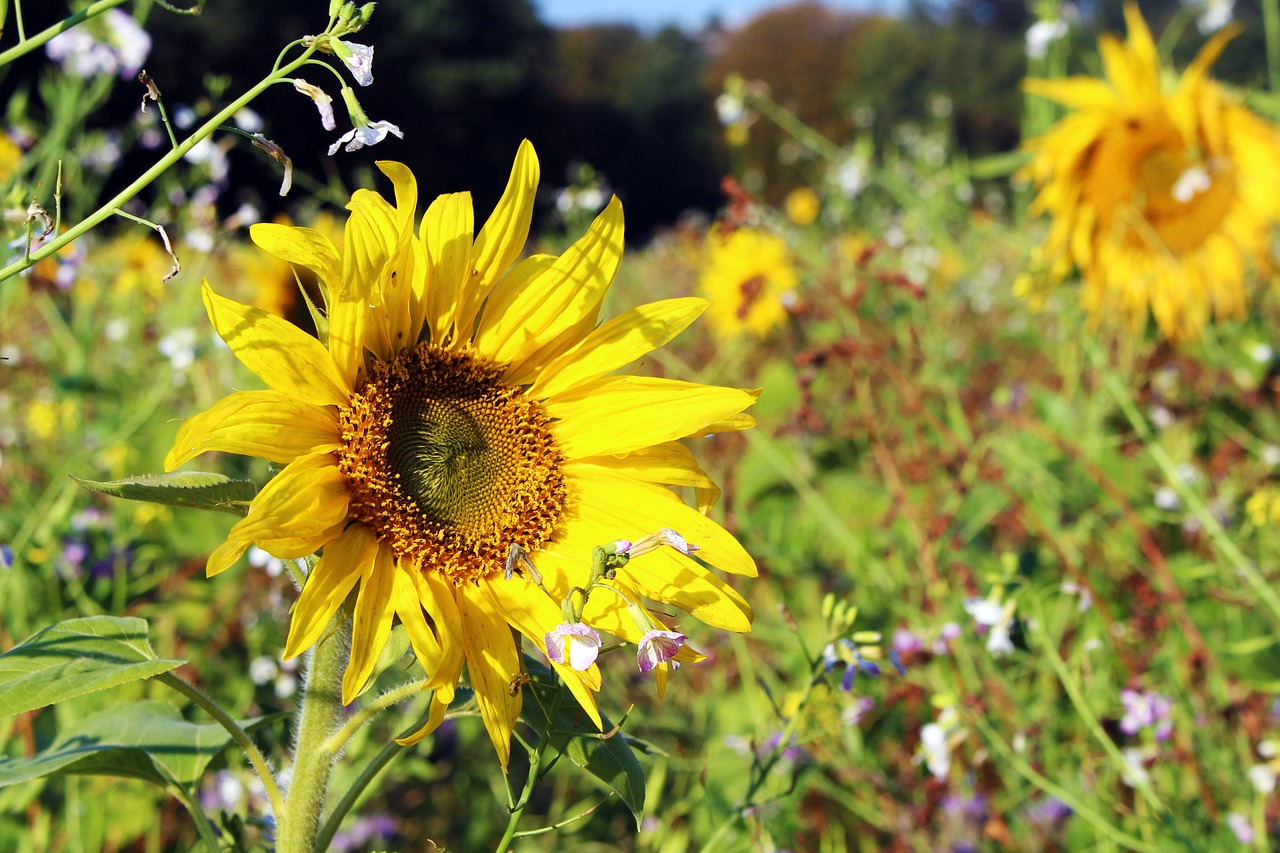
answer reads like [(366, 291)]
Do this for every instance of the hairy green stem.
[(389, 751), (312, 765)]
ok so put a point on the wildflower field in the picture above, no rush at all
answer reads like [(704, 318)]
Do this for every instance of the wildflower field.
[(908, 493)]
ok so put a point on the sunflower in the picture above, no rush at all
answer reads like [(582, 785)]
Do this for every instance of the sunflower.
[(749, 279), (462, 401), (1159, 191)]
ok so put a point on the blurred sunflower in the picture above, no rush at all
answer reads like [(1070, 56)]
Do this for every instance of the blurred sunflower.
[(463, 402), (1159, 194), (749, 279)]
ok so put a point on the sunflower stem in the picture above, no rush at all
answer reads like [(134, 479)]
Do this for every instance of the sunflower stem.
[(318, 719)]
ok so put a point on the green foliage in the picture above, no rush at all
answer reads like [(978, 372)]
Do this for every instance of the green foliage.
[(190, 489), (141, 740), (76, 657)]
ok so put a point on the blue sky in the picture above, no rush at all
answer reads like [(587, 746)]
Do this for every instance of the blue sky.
[(651, 14)]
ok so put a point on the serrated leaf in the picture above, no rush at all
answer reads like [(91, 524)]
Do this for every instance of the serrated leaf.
[(76, 657), (191, 489), (142, 740), (608, 757)]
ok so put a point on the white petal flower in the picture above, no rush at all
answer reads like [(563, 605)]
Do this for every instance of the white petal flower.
[(358, 58), (658, 647), (573, 643), (321, 99), (369, 134)]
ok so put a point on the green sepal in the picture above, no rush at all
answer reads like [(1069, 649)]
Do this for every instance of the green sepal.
[(191, 489), (609, 756), (140, 740), (76, 657)]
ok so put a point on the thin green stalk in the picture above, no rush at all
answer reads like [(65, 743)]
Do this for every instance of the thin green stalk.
[(26, 45), (1190, 499), (1072, 687), (204, 828), (836, 526), (1053, 789), (160, 167), (318, 719), (517, 807), (239, 735), (764, 768), (1271, 32)]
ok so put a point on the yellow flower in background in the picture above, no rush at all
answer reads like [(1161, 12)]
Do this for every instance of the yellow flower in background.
[(749, 278), (47, 419), (1263, 506), (134, 263), (802, 206), (10, 157), (1158, 193), (465, 401)]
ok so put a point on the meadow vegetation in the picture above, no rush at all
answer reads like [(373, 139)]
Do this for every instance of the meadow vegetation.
[(1015, 533)]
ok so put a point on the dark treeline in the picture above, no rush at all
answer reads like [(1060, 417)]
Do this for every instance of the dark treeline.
[(466, 79)]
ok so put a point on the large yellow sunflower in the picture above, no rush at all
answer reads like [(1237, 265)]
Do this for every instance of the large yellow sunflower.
[(1159, 191), (749, 278), (464, 400)]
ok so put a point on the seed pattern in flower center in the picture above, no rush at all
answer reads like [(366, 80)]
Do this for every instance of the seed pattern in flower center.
[(449, 464)]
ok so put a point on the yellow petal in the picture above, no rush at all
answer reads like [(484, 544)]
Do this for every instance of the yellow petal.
[(371, 623), (305, 247), (344, 560), (406, 190), (670, 463), (265, 424), (636, 509), (309, 496), (558, 298), (437, 598), (493, 662), (311, 540), (1079, 93), (282, 355), (532, 612), (619, 414), (225, 555), (613, 344), (439, 704), (447, 231), (426, 647), (502, 238)]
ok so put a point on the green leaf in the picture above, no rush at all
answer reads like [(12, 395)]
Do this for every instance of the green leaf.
[(553, 712), (76, 657), (193, 489), (142, 740)]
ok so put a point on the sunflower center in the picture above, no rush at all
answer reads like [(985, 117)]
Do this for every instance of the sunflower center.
[(750, 290), (450, 465), (1145, 180), (1186, 200)]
